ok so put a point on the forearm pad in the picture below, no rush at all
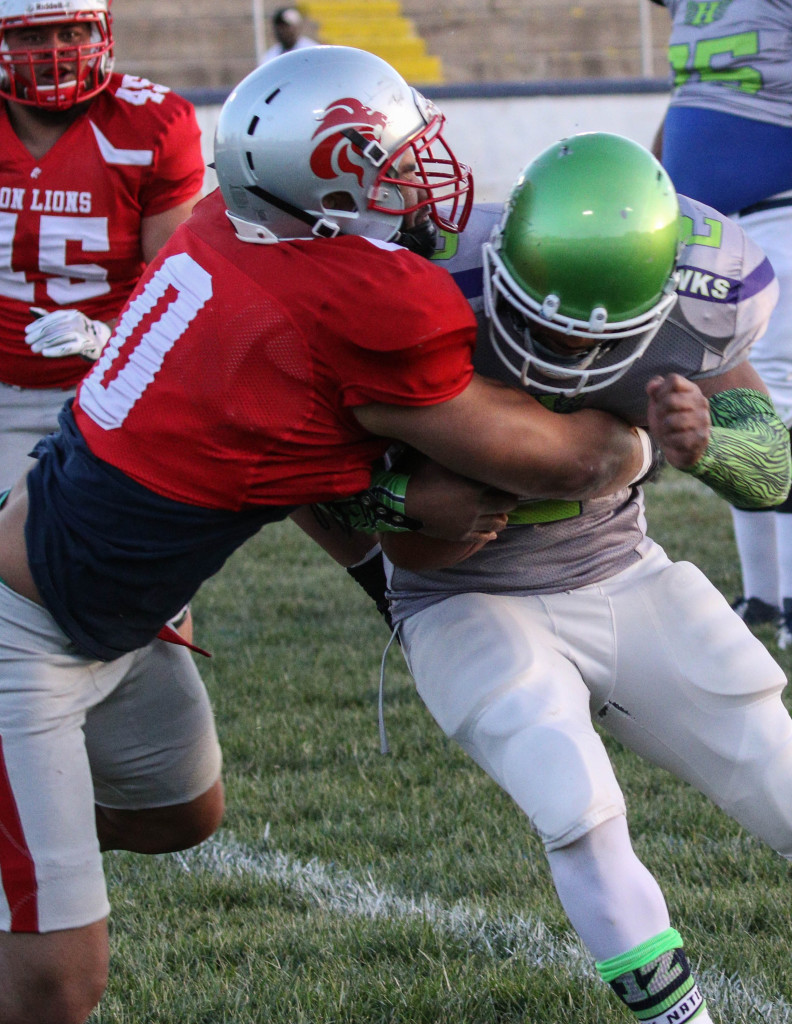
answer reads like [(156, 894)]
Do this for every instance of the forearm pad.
[(747, 460), (380, 509)]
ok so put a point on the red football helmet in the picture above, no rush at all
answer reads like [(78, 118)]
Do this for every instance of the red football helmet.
[(38, 71)]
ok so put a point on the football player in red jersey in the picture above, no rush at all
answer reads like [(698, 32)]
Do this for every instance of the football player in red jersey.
[(98, 168), (279, 342)]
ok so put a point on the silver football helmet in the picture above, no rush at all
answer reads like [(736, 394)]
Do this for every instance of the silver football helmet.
[(38, 75), (331, 140)]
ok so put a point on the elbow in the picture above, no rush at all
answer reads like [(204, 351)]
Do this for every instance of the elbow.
[(570, 478), (596, 473)]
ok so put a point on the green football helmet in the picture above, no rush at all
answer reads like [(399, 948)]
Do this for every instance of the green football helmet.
[(586, 248)]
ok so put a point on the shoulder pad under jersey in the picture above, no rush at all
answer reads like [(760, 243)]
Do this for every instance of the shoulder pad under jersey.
[(727, 288), (461, 254)]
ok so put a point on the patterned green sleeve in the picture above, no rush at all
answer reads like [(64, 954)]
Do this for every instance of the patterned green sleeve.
[(747, 460)]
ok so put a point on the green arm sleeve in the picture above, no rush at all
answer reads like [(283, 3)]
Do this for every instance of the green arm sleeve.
[(747, 460)]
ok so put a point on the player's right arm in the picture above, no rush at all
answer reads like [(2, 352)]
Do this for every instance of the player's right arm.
[(507, 439)]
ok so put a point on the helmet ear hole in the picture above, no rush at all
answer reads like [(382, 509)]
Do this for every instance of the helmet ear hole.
[(340, 201)]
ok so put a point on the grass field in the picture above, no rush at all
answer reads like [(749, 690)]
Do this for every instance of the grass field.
[(348, 886)]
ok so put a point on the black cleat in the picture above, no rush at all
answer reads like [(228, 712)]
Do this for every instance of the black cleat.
[(755, 612)]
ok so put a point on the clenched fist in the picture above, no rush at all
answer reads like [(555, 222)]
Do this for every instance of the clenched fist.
[(678, 419)]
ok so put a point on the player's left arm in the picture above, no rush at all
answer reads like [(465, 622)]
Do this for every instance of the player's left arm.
[(176, 179), (724, 431)]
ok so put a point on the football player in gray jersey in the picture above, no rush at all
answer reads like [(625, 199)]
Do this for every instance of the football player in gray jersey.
[(727, 140), (573, 614)]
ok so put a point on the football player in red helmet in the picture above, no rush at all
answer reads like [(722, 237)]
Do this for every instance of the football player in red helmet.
[(93, 201), (54, 56), (266, 357)]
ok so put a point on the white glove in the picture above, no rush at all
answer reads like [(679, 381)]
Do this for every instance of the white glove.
[(66, 332)]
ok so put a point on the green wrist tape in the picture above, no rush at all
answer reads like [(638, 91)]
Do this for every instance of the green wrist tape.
[(747, 460)]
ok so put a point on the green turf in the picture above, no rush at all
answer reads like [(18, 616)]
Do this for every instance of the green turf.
[(348, 886)]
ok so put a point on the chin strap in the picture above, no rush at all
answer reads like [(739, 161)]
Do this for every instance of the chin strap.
[(319, 226), (422, 239)]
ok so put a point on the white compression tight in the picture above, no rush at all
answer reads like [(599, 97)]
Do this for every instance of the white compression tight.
[(610, 898)]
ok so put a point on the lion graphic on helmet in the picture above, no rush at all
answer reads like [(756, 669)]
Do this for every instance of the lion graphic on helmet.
[(334, 153)]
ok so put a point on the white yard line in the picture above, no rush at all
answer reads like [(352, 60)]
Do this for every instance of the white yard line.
[(527, 937)]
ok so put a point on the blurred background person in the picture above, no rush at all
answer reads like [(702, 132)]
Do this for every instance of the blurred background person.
[(287, 27), (727, 141)]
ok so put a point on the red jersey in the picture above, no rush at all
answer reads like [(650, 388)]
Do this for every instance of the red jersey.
[(70, 222), (230, 379)]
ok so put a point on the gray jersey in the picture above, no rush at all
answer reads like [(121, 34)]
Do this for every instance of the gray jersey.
[(727, 291), (734, 56)]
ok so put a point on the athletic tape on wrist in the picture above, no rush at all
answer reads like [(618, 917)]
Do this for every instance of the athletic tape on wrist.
[(648, 451)]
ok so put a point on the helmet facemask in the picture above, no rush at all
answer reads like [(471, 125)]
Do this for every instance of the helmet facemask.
[(614, 348), (55, 77), (439, 177)]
